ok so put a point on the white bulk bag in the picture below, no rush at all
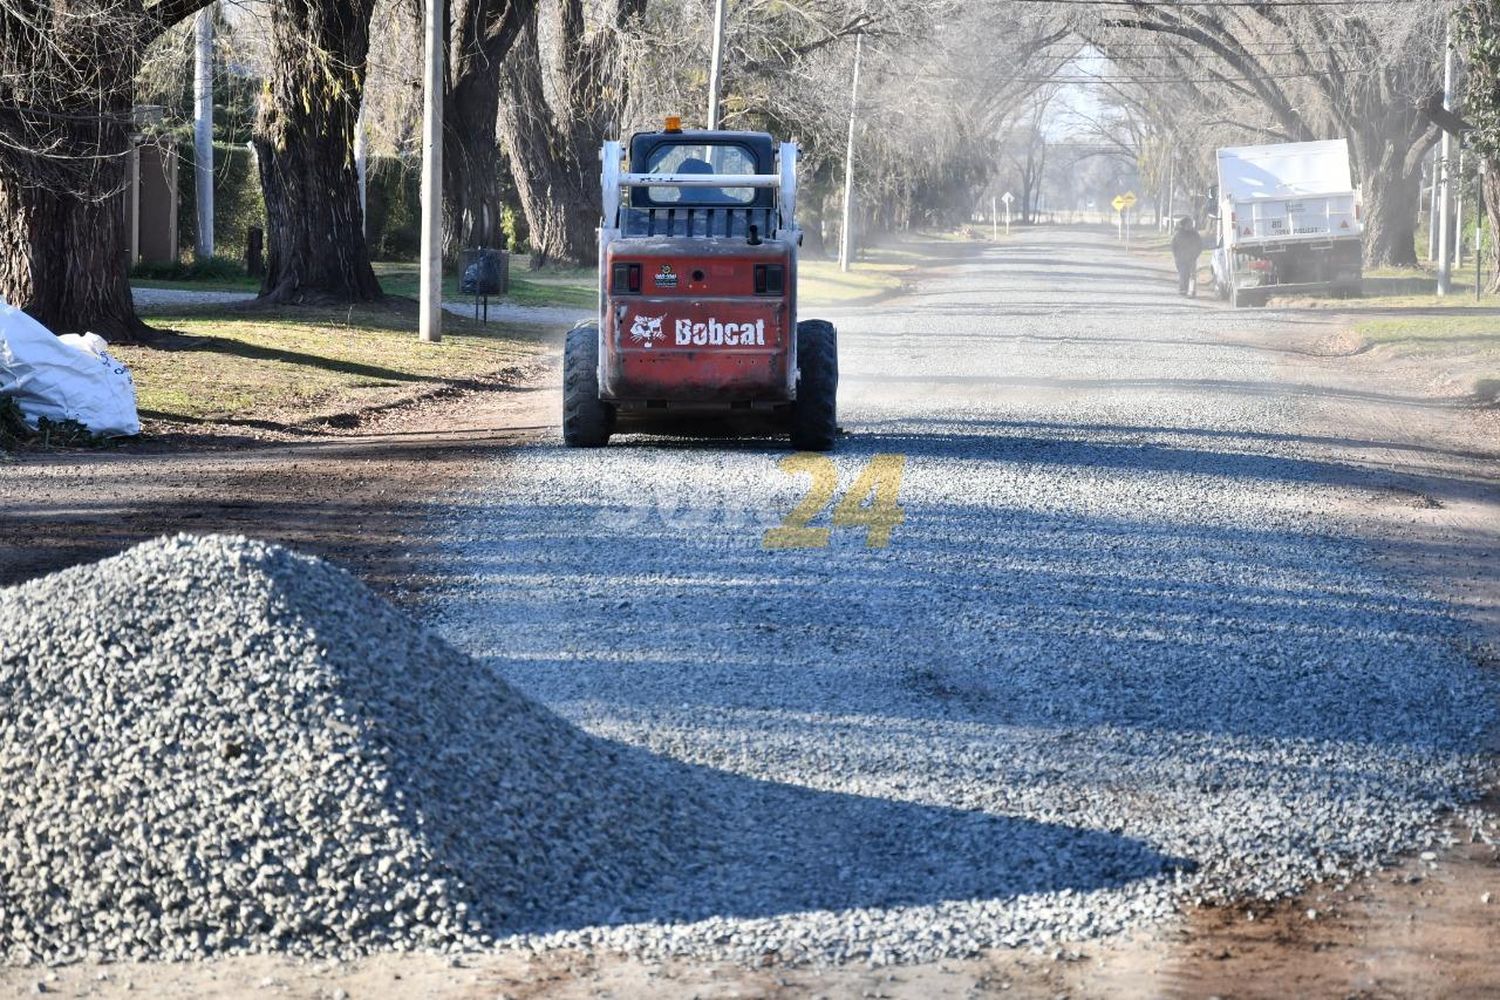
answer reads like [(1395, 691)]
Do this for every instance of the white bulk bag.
[(64, 378)]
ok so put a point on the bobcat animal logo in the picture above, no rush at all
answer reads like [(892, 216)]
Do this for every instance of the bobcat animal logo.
[(647, 330)]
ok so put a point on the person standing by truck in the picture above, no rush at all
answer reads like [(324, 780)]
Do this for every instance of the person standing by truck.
[(1187, 244)]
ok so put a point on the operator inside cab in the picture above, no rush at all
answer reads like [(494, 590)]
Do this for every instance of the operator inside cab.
[(678, 210), (704, 196), (701, 158)]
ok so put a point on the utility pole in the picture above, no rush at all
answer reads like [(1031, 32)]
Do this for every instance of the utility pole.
[(846, 241), (430, 323), (716, 66), (203, 131), (1445, 253)]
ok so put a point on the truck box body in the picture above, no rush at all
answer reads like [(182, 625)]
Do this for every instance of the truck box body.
[(1288, 218)]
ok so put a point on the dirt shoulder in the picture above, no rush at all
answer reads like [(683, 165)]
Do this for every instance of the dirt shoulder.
[(361, 497)]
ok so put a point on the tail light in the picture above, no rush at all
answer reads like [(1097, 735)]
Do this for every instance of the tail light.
[(770, 279), (626, 279)]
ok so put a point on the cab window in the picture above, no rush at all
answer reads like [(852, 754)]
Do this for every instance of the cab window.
[(700, 158)]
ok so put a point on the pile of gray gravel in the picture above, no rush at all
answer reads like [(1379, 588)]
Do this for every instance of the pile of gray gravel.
[(216, 745)]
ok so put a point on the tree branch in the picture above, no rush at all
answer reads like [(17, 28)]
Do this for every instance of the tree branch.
[(164, 14)]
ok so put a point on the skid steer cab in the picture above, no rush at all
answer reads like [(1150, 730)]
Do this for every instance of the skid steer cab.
[(698, 293)]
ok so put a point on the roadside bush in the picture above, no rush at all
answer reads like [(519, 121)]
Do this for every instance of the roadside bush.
[(215, 268), (393, 209), (238, 203), (16, 434)]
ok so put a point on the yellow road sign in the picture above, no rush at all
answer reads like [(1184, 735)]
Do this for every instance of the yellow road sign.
[(1124, 201)]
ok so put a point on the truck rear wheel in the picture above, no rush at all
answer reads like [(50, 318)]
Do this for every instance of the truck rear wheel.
[(815, 411), (587, 419), (1244, 298)]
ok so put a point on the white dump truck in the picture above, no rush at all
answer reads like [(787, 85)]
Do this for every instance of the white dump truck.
[(1288, 220)]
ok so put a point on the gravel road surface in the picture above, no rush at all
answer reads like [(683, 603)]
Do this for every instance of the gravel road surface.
[(1118, 655)]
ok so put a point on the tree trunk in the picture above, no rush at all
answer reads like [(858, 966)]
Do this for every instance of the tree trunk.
[(483, 33), (1391, 200), (304, 144), (1490, 192), (810, 210), (472, 193), (556, 107), (555, 188), (63, 256)]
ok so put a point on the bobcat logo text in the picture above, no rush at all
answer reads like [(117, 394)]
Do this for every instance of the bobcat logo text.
[(716, 333)]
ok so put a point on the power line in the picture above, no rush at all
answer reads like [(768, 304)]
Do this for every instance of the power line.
[(1093, 78)]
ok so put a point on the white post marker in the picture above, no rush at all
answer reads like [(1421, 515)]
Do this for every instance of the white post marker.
[(1123, 204), (203, 131), (1007, 197), (430, 323), (716, 65), (994, 220)]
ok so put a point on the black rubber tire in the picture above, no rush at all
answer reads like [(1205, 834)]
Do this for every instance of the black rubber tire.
[(814, 423), (587, 419)]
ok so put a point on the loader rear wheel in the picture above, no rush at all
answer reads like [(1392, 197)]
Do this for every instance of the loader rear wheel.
[(815, 413), (587, 419)]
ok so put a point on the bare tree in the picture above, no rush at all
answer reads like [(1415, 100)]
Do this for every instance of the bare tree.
[(482, 35), (562, 93), (67, 85), (941, 80), (1368, 73), (304, 144), (1479, 32), (1026, 150)]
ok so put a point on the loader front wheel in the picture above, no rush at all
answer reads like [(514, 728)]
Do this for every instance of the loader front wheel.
[(587, 419), (815, 413)]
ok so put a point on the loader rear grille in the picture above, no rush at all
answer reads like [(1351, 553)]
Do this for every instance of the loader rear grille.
[(698, 221)]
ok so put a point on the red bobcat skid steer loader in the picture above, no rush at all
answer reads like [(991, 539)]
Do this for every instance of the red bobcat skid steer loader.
[(698, 292)]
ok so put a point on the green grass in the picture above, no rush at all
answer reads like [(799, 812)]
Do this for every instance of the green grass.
[(574, 287), (294, 364), (821, 283), (240, 284), (1424, 333), (549, 287), (1462, 344)]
